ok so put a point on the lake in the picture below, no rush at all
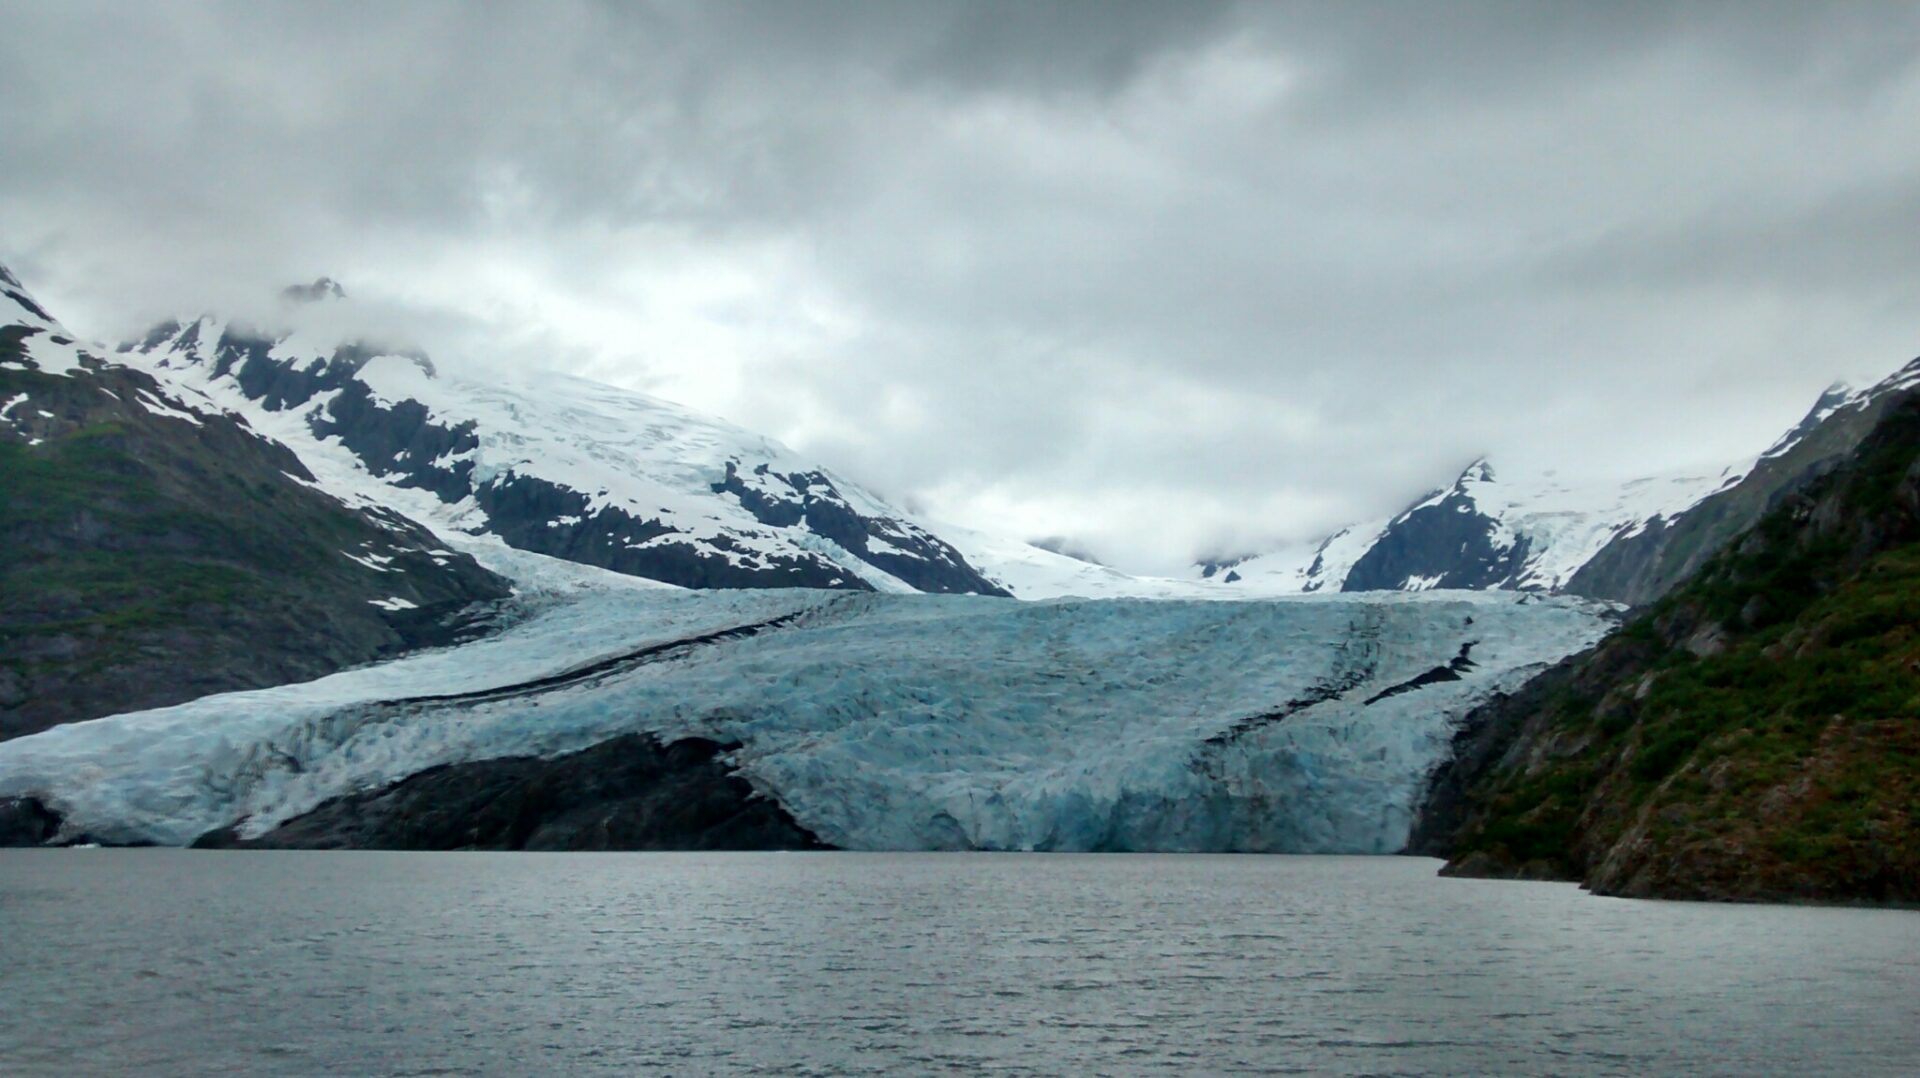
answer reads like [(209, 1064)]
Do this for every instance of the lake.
[(193, 962)]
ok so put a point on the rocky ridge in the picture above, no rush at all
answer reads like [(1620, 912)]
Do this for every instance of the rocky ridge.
[(628, 793)]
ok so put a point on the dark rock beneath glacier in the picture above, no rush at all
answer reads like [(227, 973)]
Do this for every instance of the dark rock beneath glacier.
[(630, 793), (26, 821)]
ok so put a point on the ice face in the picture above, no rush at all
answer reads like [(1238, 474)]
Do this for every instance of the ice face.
[(880, 721)]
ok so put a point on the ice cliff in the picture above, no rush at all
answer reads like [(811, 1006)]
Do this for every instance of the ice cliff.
[(1307, 724)]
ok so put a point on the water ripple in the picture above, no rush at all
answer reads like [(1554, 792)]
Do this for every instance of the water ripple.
[(172, 962)]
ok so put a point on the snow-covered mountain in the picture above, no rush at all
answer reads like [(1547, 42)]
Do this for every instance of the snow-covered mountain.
[(1480, 531), (1646, 563), (1619, 541), (1307, 724), (622, 481), (1841, 402), (556, 465)]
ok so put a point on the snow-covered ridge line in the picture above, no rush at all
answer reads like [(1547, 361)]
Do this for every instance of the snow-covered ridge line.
[(879, 722), (1525, 533), (558, 465), (1481, 531)]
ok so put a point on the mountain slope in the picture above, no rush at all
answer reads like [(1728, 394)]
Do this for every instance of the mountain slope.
[(1640, 566), (154, 549), (1478, 532), (1626, 542), (559, 466), (1754, 735)]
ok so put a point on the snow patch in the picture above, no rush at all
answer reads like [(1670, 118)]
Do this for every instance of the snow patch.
[(158, 407), (372, 561)]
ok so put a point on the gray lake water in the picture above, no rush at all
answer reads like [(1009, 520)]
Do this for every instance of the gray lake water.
[(178, 962)]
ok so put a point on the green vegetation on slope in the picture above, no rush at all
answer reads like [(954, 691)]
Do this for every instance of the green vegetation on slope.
[(1755, 735), (147, 559)]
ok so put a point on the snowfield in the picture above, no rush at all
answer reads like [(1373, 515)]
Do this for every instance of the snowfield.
[(879, 721)]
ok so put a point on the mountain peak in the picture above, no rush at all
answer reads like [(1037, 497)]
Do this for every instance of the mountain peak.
[(1480, 471), (322, 288), (17, 306)]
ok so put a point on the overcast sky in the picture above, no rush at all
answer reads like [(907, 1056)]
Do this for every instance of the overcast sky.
[(1167, 279)]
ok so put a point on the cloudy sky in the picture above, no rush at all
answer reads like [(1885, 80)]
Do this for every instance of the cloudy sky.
[(1167, 279)]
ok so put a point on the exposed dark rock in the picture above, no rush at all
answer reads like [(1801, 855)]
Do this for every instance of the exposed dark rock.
[(18, 295), (399, 440), (536, 515), (25, 821), (324, 288), (912, 554), (1450, 542), (630, 793), (1212, 567)]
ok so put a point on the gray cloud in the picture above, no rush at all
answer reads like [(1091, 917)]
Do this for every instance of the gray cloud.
[(1156, 278)]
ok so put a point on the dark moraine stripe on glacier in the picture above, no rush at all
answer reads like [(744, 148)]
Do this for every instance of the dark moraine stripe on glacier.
[(1358, 660), (598, 668), (1458, 665), (629, 793)]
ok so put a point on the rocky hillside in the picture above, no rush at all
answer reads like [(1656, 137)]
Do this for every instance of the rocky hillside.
[(154, 548), (629, 793), (555, 465), (1754, 735)]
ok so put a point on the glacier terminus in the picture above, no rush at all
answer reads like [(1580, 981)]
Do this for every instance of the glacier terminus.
[(878, 721)]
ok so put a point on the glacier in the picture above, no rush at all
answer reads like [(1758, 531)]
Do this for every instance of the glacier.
[(879, 721)]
